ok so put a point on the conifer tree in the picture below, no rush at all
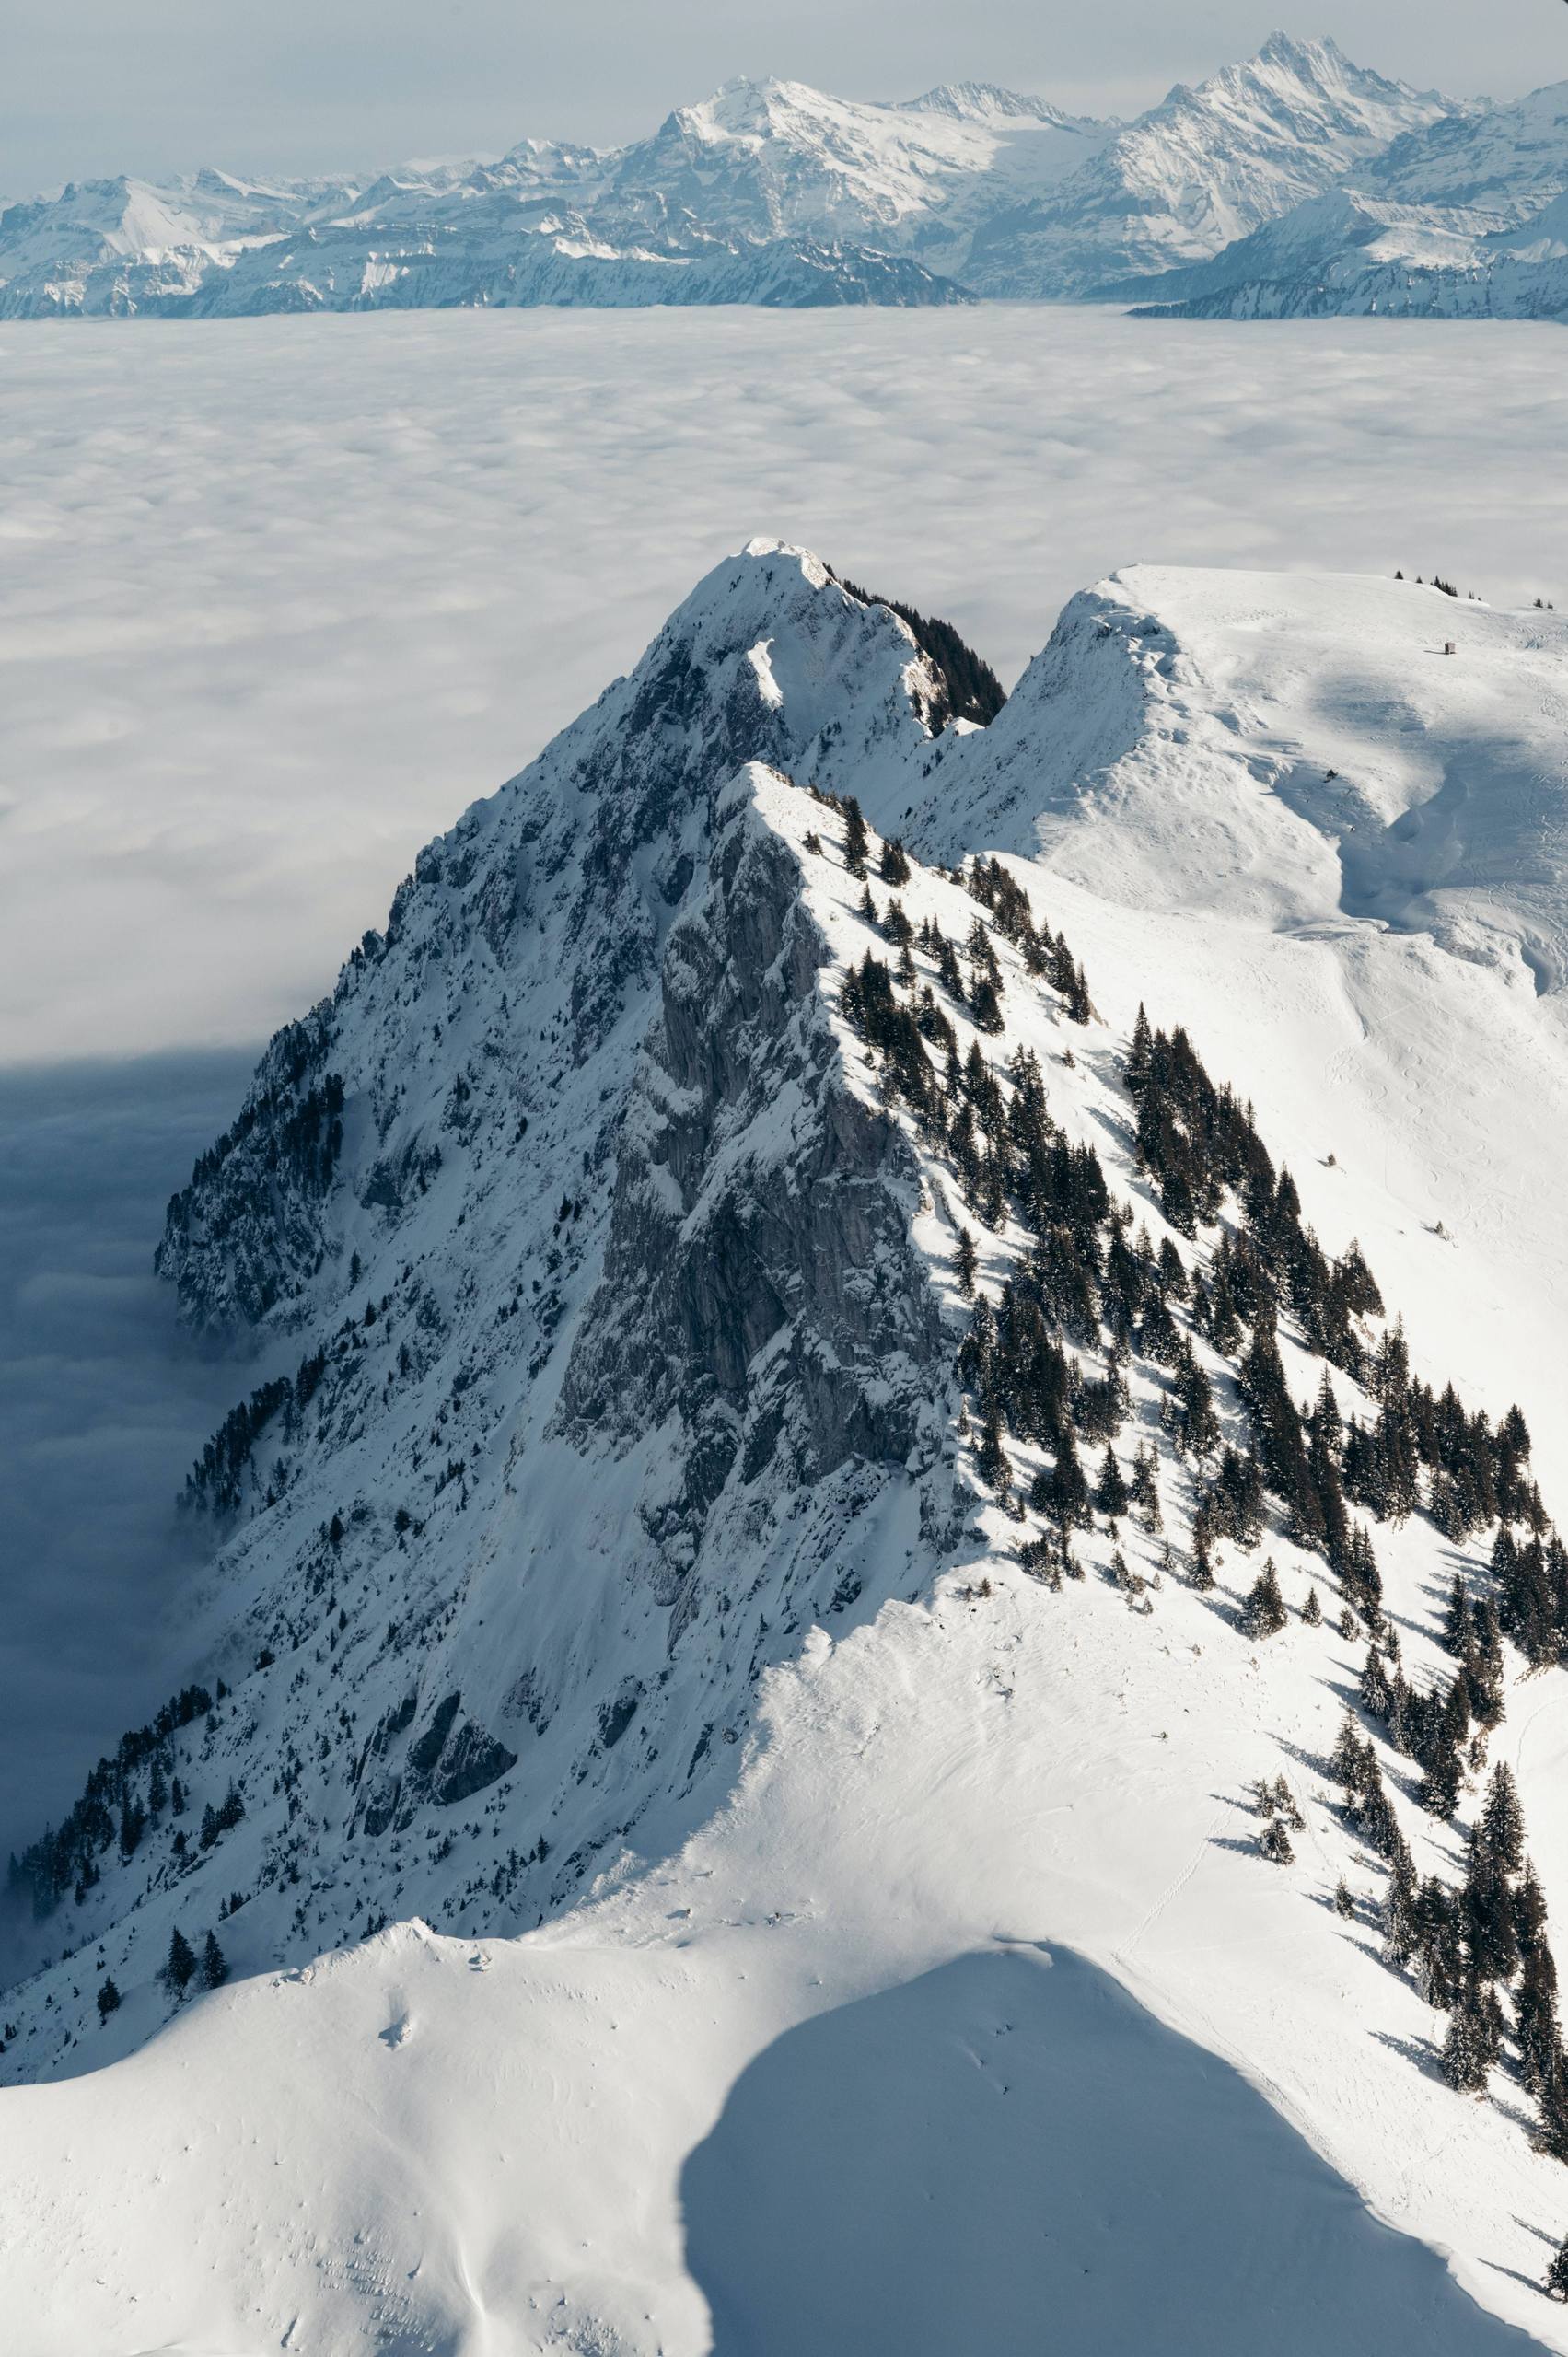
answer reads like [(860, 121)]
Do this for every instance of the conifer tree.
[(991, 1458), (1111, 1494), (1343, 1903), (1400, 1926), (1536, 2026), (1458, 1627), (214, 1966), (108, 1999), (1275, 1843), (1551, 2107), (1136, 1070), (1066, 1488), (856, 842), (1263, 1611), (1346, 1760), (1440, 1785), (1502, 1821), (1469, 2049), (180, 1965), (1556, 2285), (964, 1255), (985, 1007), (1145, 1488), (894, 868), (1312, 1612)]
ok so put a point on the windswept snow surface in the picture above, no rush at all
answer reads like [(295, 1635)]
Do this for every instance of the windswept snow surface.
[(697, 1579)]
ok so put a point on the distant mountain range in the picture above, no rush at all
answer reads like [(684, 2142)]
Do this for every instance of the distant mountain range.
[(1294, 181)]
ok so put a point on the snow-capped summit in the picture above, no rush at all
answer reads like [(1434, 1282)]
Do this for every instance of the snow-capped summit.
[(1205, 167), (776, 157), (985, 102)]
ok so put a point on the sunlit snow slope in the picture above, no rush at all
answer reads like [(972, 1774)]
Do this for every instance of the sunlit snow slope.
[(667, 1750)]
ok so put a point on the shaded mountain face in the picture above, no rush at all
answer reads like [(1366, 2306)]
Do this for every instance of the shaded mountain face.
[(531, 1061), (1204, 167), (1460, 218), (769, 192), (831, 1397)]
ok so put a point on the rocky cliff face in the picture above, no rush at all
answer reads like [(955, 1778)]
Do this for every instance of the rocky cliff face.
[(761, 1302), (579, 1276)]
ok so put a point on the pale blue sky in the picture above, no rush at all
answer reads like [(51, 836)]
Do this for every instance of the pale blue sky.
[(304, 85)]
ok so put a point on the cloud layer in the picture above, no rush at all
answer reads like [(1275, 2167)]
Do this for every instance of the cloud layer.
[(100, 1411), (279, 597)]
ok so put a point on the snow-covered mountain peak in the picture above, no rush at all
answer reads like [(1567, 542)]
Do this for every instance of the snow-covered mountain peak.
[(1205, 167), (798, 1441), (985, 102)]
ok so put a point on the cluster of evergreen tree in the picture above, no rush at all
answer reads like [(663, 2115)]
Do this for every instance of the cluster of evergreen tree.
[(1006, 1148), (1479, 1950), (181, 1968), (971, 689), (216, 1481), (1531, 1578), (1201, 1146), (1009, 907), (1474, 1474), (304, 1133), (110, 1811), (1433, 1725)]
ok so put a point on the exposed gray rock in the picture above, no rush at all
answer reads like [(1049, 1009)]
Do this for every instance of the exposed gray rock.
[(760, 1288)]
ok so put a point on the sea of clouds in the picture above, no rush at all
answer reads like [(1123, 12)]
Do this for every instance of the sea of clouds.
[(278, 598)]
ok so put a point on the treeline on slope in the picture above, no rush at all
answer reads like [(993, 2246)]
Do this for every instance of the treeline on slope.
[(216, 1481), (111, 1814), (1086, 1281), (1465, 1944), (304, 1133), (972, 688)]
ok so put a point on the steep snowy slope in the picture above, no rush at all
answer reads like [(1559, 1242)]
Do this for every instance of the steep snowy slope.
[(771, 159), (1360, 844), (1206, 167), (1346, 252), (658, 1492), (1508, 158), (1454, 220)]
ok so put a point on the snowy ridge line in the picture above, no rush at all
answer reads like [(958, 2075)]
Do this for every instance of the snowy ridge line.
[(772, 192), (814, 1482)]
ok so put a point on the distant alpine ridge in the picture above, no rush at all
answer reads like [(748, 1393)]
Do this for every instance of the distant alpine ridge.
[(1293, 182)]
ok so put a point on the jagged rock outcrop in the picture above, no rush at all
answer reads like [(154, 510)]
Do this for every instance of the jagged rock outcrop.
[(761, 1292)]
